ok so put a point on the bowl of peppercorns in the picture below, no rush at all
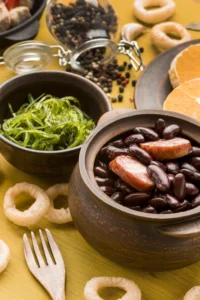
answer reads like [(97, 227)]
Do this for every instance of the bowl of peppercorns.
[(135, 193)]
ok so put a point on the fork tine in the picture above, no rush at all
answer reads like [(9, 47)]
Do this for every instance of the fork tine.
[(37, 251), (54, 247), (46, 251), (30, 260)]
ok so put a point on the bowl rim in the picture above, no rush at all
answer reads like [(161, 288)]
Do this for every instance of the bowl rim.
[(27, 22), (56, 73), (94, 189)]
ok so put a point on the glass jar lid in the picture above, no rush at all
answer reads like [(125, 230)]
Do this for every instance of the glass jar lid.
[(27, 57)]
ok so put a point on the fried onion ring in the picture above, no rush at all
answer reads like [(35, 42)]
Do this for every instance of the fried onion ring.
[(58, 216), (4, 255), (166, 10), (193, 294), (162, 41), (96, 283), (36, 211)]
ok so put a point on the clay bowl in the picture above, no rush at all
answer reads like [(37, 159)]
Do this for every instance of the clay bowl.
[(93, 101), (26, 30), (139, 240)]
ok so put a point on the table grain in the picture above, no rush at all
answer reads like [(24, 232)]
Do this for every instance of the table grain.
[(82, 262)]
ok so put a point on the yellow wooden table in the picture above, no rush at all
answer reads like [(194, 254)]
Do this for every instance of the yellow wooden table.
[(81, 261)]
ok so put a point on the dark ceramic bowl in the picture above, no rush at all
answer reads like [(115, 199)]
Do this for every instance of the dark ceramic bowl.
[(93, 101), (26, 30), (139, 240)]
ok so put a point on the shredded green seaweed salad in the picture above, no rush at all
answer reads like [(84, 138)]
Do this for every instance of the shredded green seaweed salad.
[(48, 123)]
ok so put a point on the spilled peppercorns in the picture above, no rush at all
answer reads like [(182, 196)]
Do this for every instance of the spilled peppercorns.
[(104, 75)]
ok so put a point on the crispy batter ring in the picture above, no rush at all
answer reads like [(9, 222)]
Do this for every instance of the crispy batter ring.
[(36, 211), (166, 10), (162, 41), (4, 255), (96, 283), (193, 294), (58, 216)]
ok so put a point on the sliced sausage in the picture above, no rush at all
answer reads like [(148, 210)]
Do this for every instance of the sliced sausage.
[(132, 172), (168, 149)]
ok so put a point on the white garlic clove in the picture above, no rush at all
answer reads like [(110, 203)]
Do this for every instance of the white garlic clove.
[(131, 31)]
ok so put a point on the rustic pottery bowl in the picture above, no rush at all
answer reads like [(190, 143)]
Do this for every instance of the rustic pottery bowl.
[(26, 30), (139, 240), (14, 91)]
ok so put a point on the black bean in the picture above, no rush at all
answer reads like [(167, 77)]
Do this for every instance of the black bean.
[(107, 190), (160, 126), (118, 197), (171, 131), (134, 138), (191, 190), (168, 211), (172, 201), (101, 172), (158, 203), (196, 201), (118, 143), (188, 166), (195, 151), (172, 167), (185, 205), (159, 164), (148, 133), (105, 181), (101, 164), (191, 176), (179, 189), (140, 154), (149, 209), (159, 177), (113, 152), (103, 152), (136, 199), (195, 161), (123, 187), (171, 178)]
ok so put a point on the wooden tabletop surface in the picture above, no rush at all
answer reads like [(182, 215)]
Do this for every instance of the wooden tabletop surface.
[(82, 262)]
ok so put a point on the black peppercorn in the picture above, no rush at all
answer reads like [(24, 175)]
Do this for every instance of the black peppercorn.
[(128, 75), (114, 100), (141, 49), (121, 68), (119, 81), (134, 83), (120, 98), (121, 89), (130, 67)]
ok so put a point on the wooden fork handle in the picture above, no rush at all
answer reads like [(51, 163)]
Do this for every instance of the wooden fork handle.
[(60, 297)]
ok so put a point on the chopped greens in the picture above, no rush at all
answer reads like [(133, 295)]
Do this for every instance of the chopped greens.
[(48, 123)]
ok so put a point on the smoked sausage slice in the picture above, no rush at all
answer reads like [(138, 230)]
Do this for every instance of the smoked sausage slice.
[(168, 149), (132, 172)]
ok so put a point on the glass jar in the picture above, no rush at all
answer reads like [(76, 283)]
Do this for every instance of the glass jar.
[(82, 25), (84, 31)]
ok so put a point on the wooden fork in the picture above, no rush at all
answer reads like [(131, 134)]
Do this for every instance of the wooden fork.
[(52, 274)]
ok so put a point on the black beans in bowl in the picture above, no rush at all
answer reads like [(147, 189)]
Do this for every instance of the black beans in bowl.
[(153, 170)]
